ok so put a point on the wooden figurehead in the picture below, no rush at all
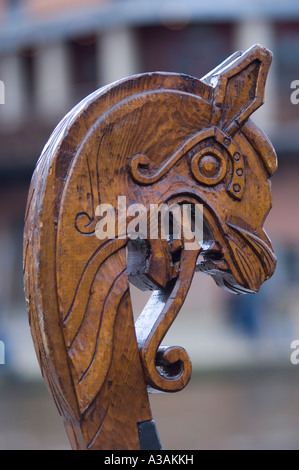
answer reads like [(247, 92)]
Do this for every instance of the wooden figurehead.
[(150, 139)]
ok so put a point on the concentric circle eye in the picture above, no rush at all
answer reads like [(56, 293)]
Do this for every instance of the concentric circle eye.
[(209, 166)]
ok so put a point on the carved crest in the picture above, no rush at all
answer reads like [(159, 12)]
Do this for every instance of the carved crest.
[(151, 139)]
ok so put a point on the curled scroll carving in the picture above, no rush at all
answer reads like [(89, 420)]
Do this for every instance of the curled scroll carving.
[(214, 159), (167, 369)]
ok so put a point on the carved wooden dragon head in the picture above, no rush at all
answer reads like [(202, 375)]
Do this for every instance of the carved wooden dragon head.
[(151, 139)]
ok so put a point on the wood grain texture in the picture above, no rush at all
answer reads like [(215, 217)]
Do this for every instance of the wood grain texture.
[(154, 138)]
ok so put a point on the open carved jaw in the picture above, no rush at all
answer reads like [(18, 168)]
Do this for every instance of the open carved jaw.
[(237, 255)]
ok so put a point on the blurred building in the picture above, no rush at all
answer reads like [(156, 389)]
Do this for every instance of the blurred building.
[(54, 53)]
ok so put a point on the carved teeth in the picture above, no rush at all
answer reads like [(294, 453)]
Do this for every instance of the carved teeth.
[(213, 258), (212, 251), (210, 266)]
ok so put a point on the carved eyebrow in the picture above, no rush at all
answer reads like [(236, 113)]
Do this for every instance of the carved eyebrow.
[(262, 145)]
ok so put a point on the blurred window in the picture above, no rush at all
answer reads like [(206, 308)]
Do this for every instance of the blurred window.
[(287, 61), (83, 56), (13, 198), (16, 288), (28, 69), (14, 5), (14, 8), (291, 262), (193, 49)]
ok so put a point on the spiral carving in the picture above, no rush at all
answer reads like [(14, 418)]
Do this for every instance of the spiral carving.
[(144, 173), (166, 369), (85, 224)]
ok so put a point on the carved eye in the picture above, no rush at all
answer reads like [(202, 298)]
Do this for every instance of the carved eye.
[(209, 166)]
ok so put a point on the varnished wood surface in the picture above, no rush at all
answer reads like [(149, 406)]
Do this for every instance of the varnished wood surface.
[(153, 138)]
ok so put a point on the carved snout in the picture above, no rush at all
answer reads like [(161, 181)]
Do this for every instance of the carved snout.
[(253, 258), (238, 260), (243, 263)]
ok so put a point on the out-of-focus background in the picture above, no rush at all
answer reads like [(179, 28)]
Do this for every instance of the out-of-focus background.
[(245, 392)]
